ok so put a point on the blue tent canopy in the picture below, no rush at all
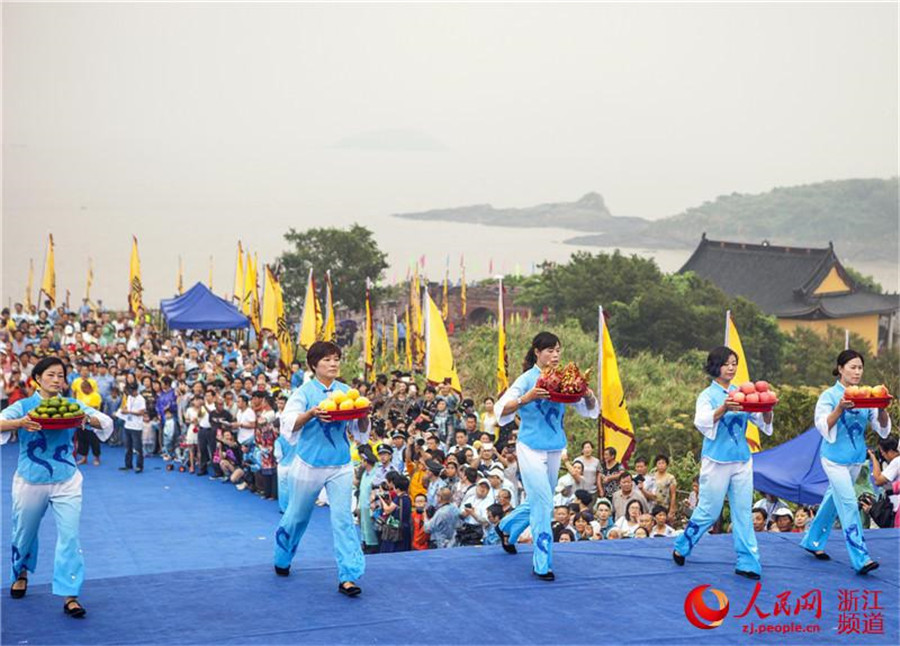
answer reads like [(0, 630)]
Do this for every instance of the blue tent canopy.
[(792, 471), (200, 309)]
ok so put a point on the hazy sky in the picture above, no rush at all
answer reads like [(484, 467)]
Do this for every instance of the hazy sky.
[(194, 125)]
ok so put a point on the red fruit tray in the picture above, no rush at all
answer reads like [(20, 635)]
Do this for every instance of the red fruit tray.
[(58, 423), (758, 408), (565, 398), (871, 402), (344, 415)]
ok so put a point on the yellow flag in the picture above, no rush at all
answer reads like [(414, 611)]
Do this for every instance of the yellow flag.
[(269, 310), (502, 360), (179, 283), (48, 282), (616, 427), (408, 342), (311, 321), (136, 289), (238, 295), (368, 336), (90, 280), (275, 320), (742, 375), (328, 327), (30, 286), (254, 295), (462, 291), (439, 365), (384, 343), (247, 292), (396, 343)]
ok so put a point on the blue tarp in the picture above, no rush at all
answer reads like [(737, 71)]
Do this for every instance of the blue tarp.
[(200, 309), (792, 471)]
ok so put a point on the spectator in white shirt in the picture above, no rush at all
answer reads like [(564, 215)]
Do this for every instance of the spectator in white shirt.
[(891, 473), (132, 413), (246, 421)]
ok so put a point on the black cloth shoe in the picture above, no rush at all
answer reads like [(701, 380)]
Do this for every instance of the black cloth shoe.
[(124, 468), (508, 547), (138, 470), (349, 588), (678, 558), (746, 573), (282, 571), (19, 593), (74, 609), (822, 556), (868, 567), (548, 576)]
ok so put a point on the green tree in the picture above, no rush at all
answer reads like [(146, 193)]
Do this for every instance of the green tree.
[(576, 288), (809, 356), (864, 282), (351, 254)]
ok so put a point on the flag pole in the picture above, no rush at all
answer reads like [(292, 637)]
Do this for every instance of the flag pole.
[(846, 339), (600, 434), (727, 321)]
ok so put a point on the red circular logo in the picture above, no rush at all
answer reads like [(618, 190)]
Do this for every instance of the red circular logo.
[(700, 614)]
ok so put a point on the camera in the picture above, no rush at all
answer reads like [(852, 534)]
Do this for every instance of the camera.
[(468, 505), (420, 441)]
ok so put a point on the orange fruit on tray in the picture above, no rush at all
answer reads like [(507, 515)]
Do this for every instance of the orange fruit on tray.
[(362, 402), (328, 404), (353, 393), (347, 404)]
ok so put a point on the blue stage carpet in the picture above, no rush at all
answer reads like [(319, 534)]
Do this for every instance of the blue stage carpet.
[(173, 558)]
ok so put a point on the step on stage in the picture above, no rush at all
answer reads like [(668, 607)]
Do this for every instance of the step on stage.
[(203, 575)]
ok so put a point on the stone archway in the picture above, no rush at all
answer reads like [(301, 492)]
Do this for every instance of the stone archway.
[(480, 316)]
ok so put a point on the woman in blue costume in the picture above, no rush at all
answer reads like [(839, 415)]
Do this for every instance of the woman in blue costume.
[(46, 475), (726, 465), (843, 453), (539, 450), (321, 458)]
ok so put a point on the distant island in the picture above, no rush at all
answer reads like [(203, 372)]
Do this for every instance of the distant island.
[(859, 215)]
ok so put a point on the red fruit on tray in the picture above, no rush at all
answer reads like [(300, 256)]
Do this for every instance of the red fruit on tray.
[(748, 388), (738, 396), (766, 397), (880, 391), (566, 381), (761, 386), (752, 398)]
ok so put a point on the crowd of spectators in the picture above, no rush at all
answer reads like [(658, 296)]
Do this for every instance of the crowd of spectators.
[(439, 471)]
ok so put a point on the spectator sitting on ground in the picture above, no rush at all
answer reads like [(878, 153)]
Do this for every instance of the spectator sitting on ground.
[(645, 520), (784, 521), (604, 516), (760, 520), (584, 530), (802, 517), (660, 528), (629, 522), (494, 514)]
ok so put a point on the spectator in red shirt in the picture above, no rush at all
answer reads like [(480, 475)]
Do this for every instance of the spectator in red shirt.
[(420, 537)]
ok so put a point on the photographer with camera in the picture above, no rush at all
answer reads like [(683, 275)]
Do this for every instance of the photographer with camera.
[(396, 528)]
